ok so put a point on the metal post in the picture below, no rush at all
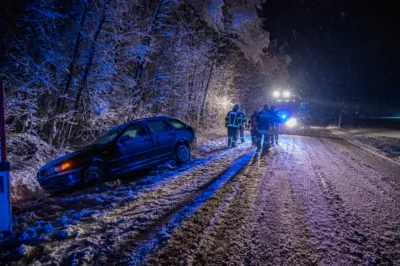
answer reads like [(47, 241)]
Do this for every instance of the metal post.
[(5, 199)]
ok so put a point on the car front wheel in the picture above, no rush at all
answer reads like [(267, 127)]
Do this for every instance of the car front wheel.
[(182, 154), (93, 174)]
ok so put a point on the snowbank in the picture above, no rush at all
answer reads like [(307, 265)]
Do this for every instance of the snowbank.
[(381, 141), (204, 137), (27, 153)]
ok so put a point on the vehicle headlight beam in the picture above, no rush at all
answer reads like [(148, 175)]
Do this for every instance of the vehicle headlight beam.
[(292, 122), (276, 94)]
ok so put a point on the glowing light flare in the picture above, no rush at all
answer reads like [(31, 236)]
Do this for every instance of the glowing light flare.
[(276, 94), (286, 94), (292, 122)]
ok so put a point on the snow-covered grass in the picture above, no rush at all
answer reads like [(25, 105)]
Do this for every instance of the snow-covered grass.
[(207, 137), (385, 142)]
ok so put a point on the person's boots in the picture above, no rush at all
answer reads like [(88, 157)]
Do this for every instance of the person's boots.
[(229, 142)]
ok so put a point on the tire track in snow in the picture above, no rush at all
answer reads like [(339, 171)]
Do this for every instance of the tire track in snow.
[(223, 239), (371, 231), (280, 235), (326, 234), (153, 241), (223, 215), (335, 229), (159, 204)]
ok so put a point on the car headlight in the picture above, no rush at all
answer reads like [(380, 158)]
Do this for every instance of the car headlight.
[(59, 168), (292, 122)]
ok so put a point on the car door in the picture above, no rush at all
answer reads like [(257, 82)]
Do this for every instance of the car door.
[(136, 147), (164, 137)]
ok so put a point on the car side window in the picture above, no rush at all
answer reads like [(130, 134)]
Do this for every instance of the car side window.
[(157, 126), (136, 131), (177, 124)]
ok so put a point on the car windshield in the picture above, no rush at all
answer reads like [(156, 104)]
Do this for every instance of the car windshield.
[(108, 136)]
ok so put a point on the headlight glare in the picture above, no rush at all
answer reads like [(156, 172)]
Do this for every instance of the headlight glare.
[(292, 122)]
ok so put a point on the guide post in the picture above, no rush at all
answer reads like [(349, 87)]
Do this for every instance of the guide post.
[(5, 200)]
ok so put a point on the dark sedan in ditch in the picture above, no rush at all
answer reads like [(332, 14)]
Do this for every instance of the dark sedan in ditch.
[(133, 146)]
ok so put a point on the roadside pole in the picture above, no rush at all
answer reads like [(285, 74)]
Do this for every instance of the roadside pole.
[(5, 199)]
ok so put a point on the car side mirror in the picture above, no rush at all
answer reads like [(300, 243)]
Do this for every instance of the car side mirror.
[(124, 138)]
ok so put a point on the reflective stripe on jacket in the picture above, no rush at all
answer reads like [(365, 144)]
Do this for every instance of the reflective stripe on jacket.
[(232, 119)]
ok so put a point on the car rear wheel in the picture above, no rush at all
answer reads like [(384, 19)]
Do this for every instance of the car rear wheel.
[(93, 174), (182, 154)]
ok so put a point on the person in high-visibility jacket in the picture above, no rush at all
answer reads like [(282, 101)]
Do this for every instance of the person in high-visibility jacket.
[(242, 123), (232, 121), (263, 124)]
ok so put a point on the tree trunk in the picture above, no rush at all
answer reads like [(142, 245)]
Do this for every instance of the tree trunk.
[(138, 89), (206, 90), (209, 81), (83, 83), (61, 100)]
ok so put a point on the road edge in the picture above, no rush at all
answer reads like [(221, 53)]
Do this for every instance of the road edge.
[(363, 148)]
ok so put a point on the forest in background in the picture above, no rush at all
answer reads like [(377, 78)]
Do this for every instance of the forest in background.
[(74, 69)]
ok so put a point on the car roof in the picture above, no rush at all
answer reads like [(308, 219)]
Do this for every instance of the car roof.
[(146, 119)]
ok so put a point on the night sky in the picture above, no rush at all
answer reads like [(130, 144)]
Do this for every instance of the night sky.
[(340, 50)]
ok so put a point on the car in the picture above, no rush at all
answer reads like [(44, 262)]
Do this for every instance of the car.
[(133, 146)]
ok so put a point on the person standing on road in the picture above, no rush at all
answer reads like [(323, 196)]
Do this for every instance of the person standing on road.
[(275, 124), (242, 123), (232, 123), (263, 124), (253, 128)]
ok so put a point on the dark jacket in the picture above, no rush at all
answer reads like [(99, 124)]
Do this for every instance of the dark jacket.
[(253, 119), (264, 120), (276, 119)]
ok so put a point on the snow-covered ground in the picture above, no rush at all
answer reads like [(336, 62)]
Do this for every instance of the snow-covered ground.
[(308, 201), (382, 141)]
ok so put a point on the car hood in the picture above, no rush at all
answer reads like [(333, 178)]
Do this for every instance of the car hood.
[(74, 155), (61, 159)]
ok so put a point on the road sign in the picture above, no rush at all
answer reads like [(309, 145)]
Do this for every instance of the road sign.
[(5, 199)]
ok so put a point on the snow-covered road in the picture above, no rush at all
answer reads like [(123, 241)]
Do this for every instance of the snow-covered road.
[(309, 201)]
